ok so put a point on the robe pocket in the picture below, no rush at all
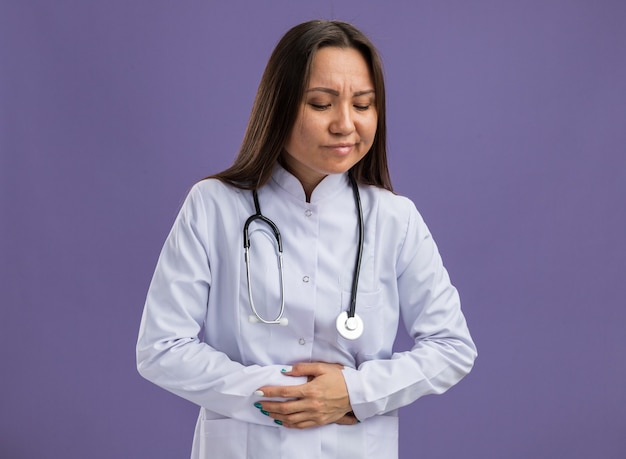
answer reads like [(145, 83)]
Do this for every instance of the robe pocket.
[(222, 438), (381, 436), (369, 308)]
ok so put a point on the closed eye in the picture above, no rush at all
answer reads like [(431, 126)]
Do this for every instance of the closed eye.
[(362, 108), (320, 106)]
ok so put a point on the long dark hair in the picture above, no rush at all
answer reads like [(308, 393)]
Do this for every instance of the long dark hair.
[(279, 97)]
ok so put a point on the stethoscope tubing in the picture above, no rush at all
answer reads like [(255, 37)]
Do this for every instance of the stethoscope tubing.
[(246, 245), (349, 324), (359, 255)]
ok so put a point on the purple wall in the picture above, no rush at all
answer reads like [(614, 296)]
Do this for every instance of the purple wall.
[(507, 128)]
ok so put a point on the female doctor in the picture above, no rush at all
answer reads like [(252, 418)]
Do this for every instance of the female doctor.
[(277, 295)]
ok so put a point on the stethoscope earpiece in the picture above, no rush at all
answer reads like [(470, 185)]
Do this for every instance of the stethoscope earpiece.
[(349, 327)]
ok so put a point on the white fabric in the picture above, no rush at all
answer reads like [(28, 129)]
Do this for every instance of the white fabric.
[(199, 288)]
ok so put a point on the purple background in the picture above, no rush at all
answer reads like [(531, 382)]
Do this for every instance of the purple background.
[(507, 127)]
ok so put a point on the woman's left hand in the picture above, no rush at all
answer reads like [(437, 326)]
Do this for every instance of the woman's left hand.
[(322, 400)]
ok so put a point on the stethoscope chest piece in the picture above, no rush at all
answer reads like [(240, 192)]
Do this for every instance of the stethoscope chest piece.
[(349, 327)]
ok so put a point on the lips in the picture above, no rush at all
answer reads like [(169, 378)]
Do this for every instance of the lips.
[(341, 148)]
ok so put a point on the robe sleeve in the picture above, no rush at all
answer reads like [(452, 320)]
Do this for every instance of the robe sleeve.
[(443, 351), (169, 352)]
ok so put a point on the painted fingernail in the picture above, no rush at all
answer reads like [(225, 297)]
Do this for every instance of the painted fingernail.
[(286, 369), (266, 413), (276, 421), (259, 393), (258, 405)]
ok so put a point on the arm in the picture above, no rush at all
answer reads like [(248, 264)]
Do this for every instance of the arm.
[(169, 352), (443, 351), (442, 354)]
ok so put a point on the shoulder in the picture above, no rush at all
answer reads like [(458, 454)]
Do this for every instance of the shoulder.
[(210, 197), (391, 205), (394, 214), (212, 191), (212, 187)]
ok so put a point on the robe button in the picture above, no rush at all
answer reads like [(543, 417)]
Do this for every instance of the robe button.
[(305, 279), (302, 341), (308, 212)]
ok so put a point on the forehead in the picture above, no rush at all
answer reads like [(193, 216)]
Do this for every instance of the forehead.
[(340, 66)]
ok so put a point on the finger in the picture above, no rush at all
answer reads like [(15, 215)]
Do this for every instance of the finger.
[(303, 369), (286, 392), (348, 420), (299, 425), (301, 420), (311, 368), (305, 420), (284, 408)]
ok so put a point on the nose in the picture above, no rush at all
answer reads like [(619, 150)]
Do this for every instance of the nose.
[(342, 123)]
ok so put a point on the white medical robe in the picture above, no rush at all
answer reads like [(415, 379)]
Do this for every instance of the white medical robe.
[(196, 339)]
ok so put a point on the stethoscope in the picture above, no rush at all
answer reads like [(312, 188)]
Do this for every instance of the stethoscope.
[(349, 324)]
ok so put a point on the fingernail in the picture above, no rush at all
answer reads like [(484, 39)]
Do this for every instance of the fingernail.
[(286, 369), (276, 421), (258, 405), (266, 413), (259, 393)]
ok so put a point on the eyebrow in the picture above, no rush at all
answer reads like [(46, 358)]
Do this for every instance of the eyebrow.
[(336, 93)]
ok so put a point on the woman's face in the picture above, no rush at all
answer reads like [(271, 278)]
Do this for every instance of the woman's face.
[(336, 123)]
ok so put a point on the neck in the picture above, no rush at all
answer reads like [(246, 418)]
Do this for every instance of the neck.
[(308, 187), (308, 183)]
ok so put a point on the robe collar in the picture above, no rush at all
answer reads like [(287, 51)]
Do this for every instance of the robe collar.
[(328, 187)]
